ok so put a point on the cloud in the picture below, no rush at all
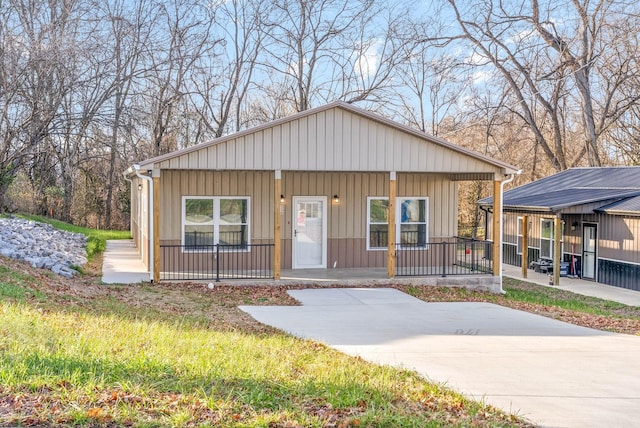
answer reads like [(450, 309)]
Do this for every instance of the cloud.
[(367, 59)]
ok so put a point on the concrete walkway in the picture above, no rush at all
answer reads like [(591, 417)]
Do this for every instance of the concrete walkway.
[(552, 373), (121, 263), (578, 286)]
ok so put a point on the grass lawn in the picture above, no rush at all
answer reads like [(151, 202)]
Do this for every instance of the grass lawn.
[(74, 352)]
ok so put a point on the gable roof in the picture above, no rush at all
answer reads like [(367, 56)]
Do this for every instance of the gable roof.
[(334, 137), (607, 186)]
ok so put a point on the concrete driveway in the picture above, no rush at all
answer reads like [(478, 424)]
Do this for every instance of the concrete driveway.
[(549, 372)]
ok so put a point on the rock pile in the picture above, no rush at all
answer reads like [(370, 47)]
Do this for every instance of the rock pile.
[(42, 245)]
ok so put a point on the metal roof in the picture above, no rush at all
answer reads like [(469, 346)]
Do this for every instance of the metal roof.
[(572, 187), (629, 206)]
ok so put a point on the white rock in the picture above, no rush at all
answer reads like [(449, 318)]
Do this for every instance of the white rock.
[(42, 245)]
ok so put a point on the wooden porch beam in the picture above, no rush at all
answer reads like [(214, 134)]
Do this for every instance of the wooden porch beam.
[(156, 226), (391, 233), (557, 249), (276, 224)]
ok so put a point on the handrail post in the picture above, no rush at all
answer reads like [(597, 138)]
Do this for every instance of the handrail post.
[(444, 259), (217, 262)]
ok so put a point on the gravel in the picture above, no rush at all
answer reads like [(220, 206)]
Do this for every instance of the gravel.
[(42, 245)]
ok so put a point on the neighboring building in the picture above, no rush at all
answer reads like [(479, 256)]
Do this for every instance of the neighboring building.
[(598, 211), (332, 186)]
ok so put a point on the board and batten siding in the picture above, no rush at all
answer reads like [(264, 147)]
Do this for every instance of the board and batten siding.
[(618, 238), (346, 222), (258, 185), (617, 235), (140, 217), (331, 140)]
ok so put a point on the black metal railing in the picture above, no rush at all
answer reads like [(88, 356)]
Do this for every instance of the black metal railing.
[(196, 238), (455, 256), (216, 262)]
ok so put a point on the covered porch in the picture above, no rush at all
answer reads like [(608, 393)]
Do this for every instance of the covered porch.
[(134, 272), (330, 188)]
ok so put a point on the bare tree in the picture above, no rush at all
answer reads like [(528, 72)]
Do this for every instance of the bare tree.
[(34, 79), (548, 53), (181, 36), (304, 38), (434, 81), (129, 28), (223, 76)]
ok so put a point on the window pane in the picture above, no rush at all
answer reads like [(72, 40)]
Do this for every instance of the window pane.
[(198, 235), (413, 234), (378, 210), (233, 211), (413, 211), (198, 229), (378, 236), (546, 230), (233, 235), (545, 248), (199, 211)]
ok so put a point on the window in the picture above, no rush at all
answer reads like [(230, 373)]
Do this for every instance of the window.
[(412, 227), (546, 239), (215, 220), (377, 223)]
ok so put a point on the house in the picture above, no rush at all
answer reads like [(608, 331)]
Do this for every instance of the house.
[(586, 221), (335, 186)]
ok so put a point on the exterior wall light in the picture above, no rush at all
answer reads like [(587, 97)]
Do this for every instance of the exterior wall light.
[(336, 199), (282, 200)]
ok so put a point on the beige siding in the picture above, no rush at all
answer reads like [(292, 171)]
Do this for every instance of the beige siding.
[(616, 234), (331, 140), (443, 201), (140, 217), (346, 221), (258, 185), (618, 238)]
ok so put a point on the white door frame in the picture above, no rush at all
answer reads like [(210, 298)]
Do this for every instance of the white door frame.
[(586, 225), (295, 200)]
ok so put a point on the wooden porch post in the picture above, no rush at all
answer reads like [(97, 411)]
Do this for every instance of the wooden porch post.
[(497, 227), (156, 226), (557, 239), (525, 245), (391, 233), (276, 224)]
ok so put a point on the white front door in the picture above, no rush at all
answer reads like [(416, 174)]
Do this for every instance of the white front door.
[(589, 248), (309, 232)]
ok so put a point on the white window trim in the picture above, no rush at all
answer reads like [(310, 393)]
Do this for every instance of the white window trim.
[(369, 199), (216, 221), (399, 218)]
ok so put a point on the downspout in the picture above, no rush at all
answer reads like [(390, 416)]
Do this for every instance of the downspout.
[(136, 169), (499, 212)]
